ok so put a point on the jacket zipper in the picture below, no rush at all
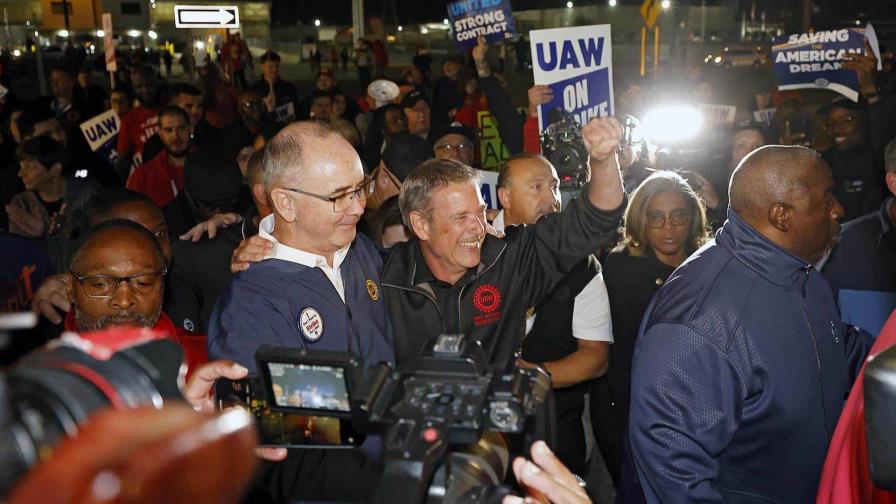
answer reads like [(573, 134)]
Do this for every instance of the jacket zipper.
[(807, 270), (424, 294)]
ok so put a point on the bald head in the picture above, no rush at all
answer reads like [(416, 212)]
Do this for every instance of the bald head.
[(294, 150), (769, 175), (786, 194), (118, 235)]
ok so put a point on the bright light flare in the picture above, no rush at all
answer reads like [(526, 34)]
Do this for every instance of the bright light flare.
[(672, 124), (666, 4), (62, 33), (317, 22), (612, 3), (153, 35), (100, 33)]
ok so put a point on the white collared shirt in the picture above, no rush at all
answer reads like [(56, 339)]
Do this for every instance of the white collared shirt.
[(287, 253), (591, 308)]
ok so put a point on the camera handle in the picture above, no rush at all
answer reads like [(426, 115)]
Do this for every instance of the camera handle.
[(413, 449)]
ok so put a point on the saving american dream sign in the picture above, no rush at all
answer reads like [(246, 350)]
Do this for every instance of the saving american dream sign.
[(471, 19), (577, 65), (815, 60)]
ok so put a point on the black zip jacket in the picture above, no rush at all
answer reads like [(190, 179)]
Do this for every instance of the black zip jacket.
[(514, 274)]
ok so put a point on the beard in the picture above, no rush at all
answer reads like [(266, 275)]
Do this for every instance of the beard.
[(86, 323), (179, 153)]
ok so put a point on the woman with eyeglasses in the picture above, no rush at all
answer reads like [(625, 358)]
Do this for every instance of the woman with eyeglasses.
[(665, 222)]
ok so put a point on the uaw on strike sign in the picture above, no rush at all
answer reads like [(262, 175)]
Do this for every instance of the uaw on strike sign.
[(577, 64), (815, 60)]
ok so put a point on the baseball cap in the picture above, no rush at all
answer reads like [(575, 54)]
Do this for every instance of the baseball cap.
[(411, 99), (212, 175), (457, 128), (404, 152), (325, 71), (839, 102)]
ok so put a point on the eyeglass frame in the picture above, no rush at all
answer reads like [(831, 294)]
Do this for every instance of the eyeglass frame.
[(667, 217), (367, 184), (458, 147), (118, 280)]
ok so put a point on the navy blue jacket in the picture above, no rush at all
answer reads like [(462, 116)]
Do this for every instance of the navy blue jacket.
[(740, 372), (263, 304), (862, 270)]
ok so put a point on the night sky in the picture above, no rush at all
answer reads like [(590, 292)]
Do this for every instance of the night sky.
[(416, 11)]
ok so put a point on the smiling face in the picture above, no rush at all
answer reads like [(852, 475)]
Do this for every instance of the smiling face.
[(452, 233), (331, 167), (844, 126)]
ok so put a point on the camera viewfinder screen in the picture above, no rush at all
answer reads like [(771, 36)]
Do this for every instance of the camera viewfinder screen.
[(309, 386)]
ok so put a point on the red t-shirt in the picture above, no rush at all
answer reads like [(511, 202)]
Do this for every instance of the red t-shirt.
[(137, 126), (193, 345), (158, 179), (846, 477)]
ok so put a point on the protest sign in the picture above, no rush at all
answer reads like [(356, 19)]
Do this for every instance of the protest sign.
[(492, 150), (100, 129), (489, 188), (471, 19), (718, 114), (577, 65), (764, 115), (285, 112), (814, 60)]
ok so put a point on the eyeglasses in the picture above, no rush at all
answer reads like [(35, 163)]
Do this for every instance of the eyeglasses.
[(341, 202), (675, 218), (103, 286), (841, 121), (449, 147)]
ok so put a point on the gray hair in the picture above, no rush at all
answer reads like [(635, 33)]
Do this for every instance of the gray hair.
[(286, 151), (432, 175), (890, 156)]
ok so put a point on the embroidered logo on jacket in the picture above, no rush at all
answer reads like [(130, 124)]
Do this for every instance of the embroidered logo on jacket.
[(487, 299), (372, 290)]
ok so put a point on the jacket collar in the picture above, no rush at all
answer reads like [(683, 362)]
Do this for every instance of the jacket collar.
[(401, 267), (760, 254)]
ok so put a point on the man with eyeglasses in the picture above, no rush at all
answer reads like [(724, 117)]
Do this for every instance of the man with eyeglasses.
[(319, 290), (457, 143), (117, 278), (856, 156)]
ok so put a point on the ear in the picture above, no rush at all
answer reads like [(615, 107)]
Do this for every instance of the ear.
[(504, 197), (56, 169), (284, 205), (420, 225), (70, 287), (779, 217), (259, 193), (891, 182)]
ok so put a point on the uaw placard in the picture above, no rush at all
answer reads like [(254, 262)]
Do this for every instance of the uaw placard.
[(471, 19), (815, 60), (577, 64)]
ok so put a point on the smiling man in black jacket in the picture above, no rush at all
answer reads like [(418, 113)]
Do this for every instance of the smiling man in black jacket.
[(453, 277)]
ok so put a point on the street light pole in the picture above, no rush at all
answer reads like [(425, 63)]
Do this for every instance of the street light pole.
[(65, 14), (807, 15)]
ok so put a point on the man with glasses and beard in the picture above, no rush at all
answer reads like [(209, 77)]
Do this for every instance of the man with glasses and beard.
[(318, 290), (162, 179), (117, 279)]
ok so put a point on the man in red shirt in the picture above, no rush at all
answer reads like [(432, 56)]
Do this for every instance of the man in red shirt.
[(140, 123), (118, 279), (162, 178), (234, 52)]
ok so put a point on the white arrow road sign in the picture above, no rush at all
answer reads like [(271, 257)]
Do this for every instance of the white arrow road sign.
[(206, 16)]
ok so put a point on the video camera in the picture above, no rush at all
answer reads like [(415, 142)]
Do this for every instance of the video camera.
[(48, 393), (449, 420), (562, 144)]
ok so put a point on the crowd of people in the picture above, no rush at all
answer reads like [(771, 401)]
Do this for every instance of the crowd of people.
[(711, 313)]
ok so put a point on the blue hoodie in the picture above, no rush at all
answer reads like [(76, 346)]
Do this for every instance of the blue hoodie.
[(740, 372)]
